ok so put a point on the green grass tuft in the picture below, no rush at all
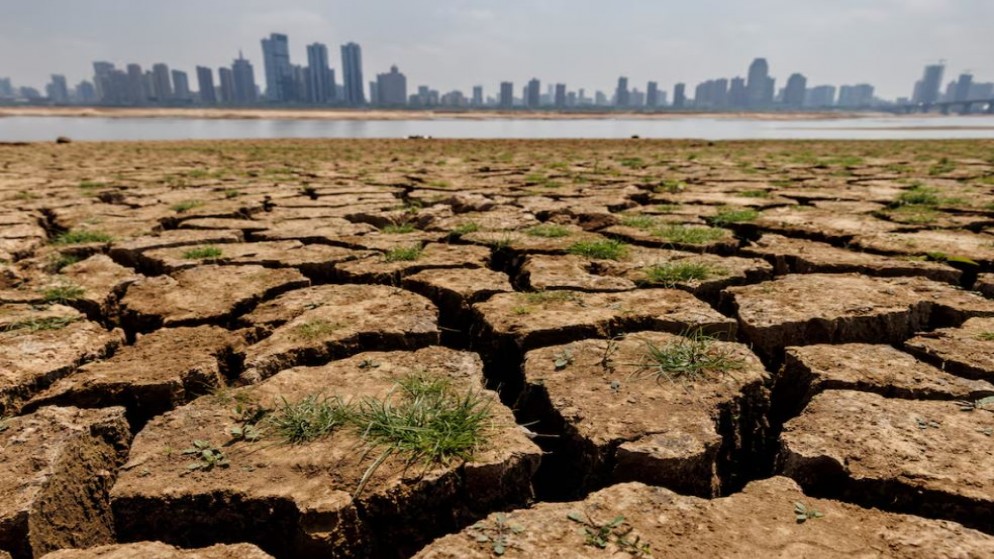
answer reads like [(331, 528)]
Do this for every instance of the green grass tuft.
[(726, 216), (548, 231), (639, 221), (79, 237), (398, 229), (691, 358), (404, 254), (603, 250), (672, 273), (41, 324), (314, 329), (919, 195), (691, 235), (62, 293), (202, 253), (309, 418), (186, 205), (466, 228)]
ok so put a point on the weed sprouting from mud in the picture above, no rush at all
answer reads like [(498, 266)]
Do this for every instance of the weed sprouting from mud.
[(548, 231), (727, 216), (203, 253), (309, 418), (689, 358), (607, 249), (670, 274), (497, 534), (186, 205), (617, 531), (398, 229), (206, 457), (79, 237), (403, 254), (40, 324), (688, 234), (63, 293)]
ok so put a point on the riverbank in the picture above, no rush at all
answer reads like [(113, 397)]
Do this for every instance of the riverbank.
[(378, 114)]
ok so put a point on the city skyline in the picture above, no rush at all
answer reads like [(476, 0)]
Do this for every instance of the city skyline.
[(458, 44)]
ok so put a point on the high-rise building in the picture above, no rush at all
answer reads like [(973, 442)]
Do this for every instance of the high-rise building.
[(279, 73), (856, 96), (6, 88), (506, 95), (243, 89), (560, 95), (927, 90), (205, 83), (533, 93), (181, 86), (101, 76), (822, 96), (320, 79), (227, 80), (793, 95), (737, 95), (136, 85), (679, 96), (161, 82), (983, 91), (58, 91), (963, 85), (392, 88), (759, 85), (85, 92), (352, 74), (652, 95), (621, 95), (477, 95)]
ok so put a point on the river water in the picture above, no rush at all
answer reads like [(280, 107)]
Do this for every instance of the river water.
[(698, 127)]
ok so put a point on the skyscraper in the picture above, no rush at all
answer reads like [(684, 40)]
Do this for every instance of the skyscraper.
[(794, 93), (759, 85), (227, 78), (181, 85), (652, 95), (560, 95), (477, 95), (205, 83), (392, 88), (737, 95), (101, 77), (621, 96), (136, 84), (533, 93), (58, 91), (163, 87), (679, 96), (320, 80), (506, 95), (928, 90), (963, 85), (820, 96), (243, 81), (854, 96), (352, 74), (276, 61)]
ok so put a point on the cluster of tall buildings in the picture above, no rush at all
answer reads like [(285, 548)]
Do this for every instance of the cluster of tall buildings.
[(314, 84)]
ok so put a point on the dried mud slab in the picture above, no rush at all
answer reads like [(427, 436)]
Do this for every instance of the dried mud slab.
[(938, 244), (966, 351), (985, 285), (619, 417), (56, 469), (819, 224), (692, 238), (757, 522), (314, 261), (296, 500), (156, 550), (162, 370), (326, 230), (530, 320), (542, 272), (311, 326), (927, 457), (880, 369), (391, 267), (128, 252), (808, 309), (802, 256), (202, 295), (38, 347)]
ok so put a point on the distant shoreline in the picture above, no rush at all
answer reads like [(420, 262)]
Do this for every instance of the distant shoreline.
[(386, 114)]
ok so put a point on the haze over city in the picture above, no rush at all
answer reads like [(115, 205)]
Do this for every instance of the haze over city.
[(455, 44)]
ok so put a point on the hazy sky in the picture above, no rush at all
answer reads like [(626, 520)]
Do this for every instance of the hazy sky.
[(453, 44)]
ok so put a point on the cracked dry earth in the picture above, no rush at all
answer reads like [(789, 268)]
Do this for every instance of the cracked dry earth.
[(675, 349)]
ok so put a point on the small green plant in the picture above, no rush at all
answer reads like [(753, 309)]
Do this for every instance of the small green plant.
[(40, 324), (688, 234), (247, 414), (918, 195), (395, 229), (309, 191), (563, 359), (424, 420), (617, 531), (727, 216), (79, 237), (90, 185), (309, 418), (639, 221), (608, 249), (802, 513), (986, 336), (314, 329), (403, 254), (548, 231), (986, 404), (498, 534), (670, 186), (673, 273), (633, 163), (232, 193), (186, 205), (206, 456), (942, 167), (62, 293), (755, 193), (542, 297), (59, 260), (203, 253), (466, 228), (690, 358)]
